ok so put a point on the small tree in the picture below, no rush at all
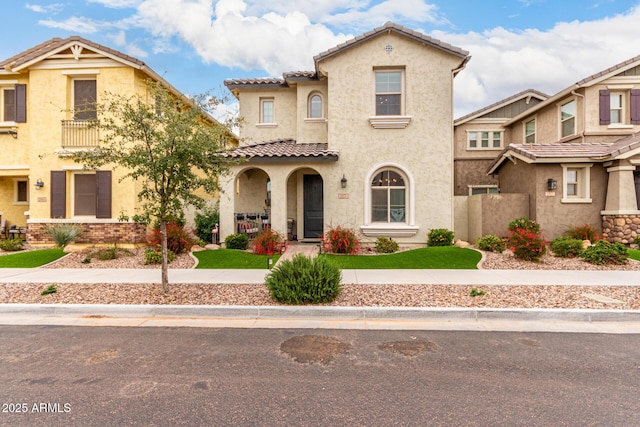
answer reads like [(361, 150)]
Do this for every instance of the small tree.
[(170, 145)]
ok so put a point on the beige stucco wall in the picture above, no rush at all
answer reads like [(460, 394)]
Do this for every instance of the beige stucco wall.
[(285, 115), (311, 130), (472, 172)]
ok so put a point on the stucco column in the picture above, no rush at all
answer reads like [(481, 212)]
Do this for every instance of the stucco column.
[(621, 191), (279, 202), (227, 204)]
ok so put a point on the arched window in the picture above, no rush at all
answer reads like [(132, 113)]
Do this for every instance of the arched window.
[(315, 106), (388, 197)]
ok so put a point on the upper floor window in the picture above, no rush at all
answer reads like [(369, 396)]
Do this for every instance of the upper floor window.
[(388, 197), (84, 99), (568, 118), (315, 106), (388, 93), (267, 110), (13, 103), (530, 132), (487, 140), (8, 105), (620, 107)]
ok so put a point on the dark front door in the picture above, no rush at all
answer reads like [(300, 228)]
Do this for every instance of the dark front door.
[(313, 207)]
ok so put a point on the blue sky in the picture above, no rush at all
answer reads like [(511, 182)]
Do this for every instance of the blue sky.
[(197, 44)]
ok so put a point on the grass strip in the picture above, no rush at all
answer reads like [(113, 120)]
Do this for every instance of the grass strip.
[(30, 259), (443, 257), (233, 259)]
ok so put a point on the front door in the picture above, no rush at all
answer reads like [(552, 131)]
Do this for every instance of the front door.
[(636, 178), (313, 207)]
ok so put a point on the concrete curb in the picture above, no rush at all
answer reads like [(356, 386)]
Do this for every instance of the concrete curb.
[(323, 313)]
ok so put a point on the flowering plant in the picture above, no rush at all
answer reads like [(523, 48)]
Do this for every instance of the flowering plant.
[(525, 240), (341, 240)]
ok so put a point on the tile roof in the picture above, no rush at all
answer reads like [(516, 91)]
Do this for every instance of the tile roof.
[(390, 26), (609, 70), (56, 43), (283, 150), (592, 151), (501, 103)]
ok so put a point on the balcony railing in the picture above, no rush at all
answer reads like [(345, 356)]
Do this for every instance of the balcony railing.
[(79, 134)]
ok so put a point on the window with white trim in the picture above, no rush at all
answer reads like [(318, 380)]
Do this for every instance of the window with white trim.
[(576, 187), (314, 108), (389, 96), (21, 192), (483, 189), (568, 118), (616, 108), (530, 132), (484, 140), (267, 110), (388, 197)]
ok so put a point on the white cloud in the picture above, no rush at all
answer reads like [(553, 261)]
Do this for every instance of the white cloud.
[(52, 8), (74, 24), (505, 62), (119, 40), (117, 4)]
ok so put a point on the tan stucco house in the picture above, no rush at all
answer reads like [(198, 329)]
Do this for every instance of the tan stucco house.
[(576, 156), (48, 96), (365, 141)]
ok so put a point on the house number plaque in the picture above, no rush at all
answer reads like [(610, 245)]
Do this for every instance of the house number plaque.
[(343, 195)]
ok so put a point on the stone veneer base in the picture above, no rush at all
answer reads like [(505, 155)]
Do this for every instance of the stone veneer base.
[(94, 232), (620, 228)]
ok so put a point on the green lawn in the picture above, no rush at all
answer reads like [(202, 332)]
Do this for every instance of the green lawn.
[(444, 257), (30, 259), (634, 254), (231, 258)]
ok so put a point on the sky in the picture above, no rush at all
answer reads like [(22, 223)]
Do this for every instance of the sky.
[(195, 45)]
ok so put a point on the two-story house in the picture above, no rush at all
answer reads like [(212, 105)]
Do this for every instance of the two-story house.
[(48, 97), (480, 136), (576, 155), (364, 141)]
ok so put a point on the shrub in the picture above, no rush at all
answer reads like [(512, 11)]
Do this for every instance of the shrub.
[(584, 232), (603, 252), (179, 239), (206, 221), (12, 245), (566, 247), (341, 240), (440, 237), (237, 241), (51, 289), (110, 253), (386, 245), (525, 239), (154, 255), (267, 241), (63, 234), (492, 243), (304, 280)]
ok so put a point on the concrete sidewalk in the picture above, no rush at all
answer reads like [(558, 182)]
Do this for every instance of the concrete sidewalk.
[(371, 277), (549, 320)]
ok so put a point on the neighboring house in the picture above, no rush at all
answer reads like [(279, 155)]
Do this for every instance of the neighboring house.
[(48, 97), (576, 156), (480, 136), (363, 141)]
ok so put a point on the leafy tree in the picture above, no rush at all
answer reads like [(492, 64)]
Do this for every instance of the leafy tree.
[(169, 144)]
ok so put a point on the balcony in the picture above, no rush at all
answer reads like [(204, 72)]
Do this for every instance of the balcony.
[(79, 134)]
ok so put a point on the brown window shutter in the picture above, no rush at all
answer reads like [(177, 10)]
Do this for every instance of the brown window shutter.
[(635, 106), (103, 194), (58, 194), (605, 107), (21, 103)]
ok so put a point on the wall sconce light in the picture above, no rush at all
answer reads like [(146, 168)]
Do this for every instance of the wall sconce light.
[(552, 184), (343, 182), (39, 184)]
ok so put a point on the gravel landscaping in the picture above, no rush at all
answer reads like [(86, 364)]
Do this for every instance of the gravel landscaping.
[(396, 295)]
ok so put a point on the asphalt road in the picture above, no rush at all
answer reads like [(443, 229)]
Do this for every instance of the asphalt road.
[(107, 376)]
